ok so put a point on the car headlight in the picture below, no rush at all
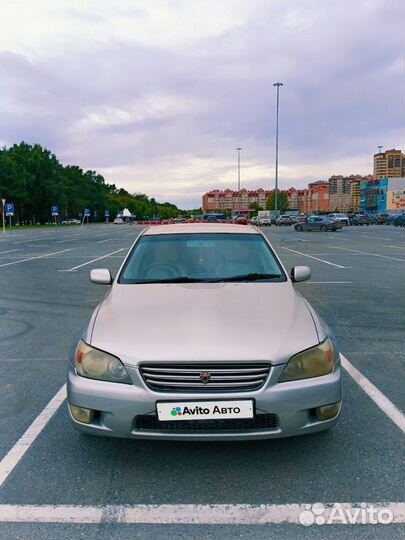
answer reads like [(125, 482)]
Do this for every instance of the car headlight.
[(313, 362), (95, 364)]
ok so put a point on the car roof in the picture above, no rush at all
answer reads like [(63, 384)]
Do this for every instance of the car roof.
[(196, 228)]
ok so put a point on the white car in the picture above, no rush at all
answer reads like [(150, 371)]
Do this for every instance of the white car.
[(343, 218), (118, 221), (264, 222)]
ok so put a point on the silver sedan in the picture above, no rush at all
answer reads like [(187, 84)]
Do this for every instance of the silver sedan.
[(202, 336)]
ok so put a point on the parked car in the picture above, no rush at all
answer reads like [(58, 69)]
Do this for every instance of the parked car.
[(382, 219), (71, 222), (390, 220), (284, 220), (399, 221), (264, 222), (359, 219), (241, 220), (142, 373), (118, 221), (319, 223), (343, 218)]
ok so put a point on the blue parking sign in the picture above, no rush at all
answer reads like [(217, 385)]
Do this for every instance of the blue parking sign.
[(106, 213), (9, 209), (55, 210), (87, 212)]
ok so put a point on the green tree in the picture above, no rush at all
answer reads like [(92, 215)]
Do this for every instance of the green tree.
[(282, 201)]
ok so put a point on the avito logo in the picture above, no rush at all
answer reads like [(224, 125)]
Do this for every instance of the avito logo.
[(197, 410)]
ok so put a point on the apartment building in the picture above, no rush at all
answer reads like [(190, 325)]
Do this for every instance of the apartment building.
[(314, 198), (344, 192), (222, 200), (389, 164)]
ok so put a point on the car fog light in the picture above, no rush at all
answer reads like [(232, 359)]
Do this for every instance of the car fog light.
[(328, 411), (85, 416)]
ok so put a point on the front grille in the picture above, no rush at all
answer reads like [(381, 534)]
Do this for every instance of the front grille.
[(189, 377), (150, 422)]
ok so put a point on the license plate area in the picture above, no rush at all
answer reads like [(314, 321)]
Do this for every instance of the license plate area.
[(204, 410)]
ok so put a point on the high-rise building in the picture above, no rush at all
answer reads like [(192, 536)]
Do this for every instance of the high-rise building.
[(344, 192), (389, 164)]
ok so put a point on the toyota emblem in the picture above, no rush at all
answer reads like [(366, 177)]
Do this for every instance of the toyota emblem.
[(205, 376)]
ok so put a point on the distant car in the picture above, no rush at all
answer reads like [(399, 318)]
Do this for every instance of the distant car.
[(241, 220), (71, 222), (319, 223), (264, 222), (343, 218), (144, 373), (211, 219), (399, 220), (284, 220), (382, 219), (253, 220), (118, 221), (360, 219)]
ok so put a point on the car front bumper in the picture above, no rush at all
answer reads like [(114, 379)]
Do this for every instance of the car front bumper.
[(293, 405)]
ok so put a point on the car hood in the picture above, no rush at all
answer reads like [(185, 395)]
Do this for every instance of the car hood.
[(209, 322)]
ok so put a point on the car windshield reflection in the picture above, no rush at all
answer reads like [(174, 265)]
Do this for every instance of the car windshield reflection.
[(206, 257)]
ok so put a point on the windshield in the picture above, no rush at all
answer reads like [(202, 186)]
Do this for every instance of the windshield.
[(181, 258)]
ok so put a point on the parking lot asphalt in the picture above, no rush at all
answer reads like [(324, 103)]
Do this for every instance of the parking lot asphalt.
[(357, 286)]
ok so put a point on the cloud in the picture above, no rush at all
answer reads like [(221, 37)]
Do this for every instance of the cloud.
[(158, 97)]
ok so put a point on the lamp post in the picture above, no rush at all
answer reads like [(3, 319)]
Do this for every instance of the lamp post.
[(4, 221), (380, 148), (277, 85), (239, 149)]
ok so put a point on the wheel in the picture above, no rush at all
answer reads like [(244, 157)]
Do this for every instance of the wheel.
[(324, 228), (298, 228)]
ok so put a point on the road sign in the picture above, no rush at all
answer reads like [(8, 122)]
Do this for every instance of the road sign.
[(9, 209), (87, 212), (106, 213), (55, 210)]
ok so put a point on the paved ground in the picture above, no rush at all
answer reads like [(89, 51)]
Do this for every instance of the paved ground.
[(357, 286)]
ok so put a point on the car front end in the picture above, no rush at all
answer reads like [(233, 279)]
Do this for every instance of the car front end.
[(206, 373)]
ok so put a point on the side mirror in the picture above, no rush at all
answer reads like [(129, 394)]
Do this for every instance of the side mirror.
[(300, 273), (101, 276)]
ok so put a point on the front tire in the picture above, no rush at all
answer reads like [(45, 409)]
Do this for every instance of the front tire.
[(324, 228), (298, 228)]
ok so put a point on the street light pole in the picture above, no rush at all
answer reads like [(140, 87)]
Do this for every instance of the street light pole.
[(4, 221), (277, 85), (380, 148), (239, 149)]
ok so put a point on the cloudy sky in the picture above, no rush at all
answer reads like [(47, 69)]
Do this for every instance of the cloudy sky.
[(157, 94)]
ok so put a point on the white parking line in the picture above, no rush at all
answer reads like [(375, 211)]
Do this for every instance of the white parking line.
[(397, 247), (372, 254), (311, 257), (37, 257), (376, 395), (10, 460), (334, 282), (93, 260), (103, 241), (373, 237), (69, 240), (201, 514), (9, 251)]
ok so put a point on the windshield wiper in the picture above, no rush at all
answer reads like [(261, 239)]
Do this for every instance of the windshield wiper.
[(254, 276), (179, 279)]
